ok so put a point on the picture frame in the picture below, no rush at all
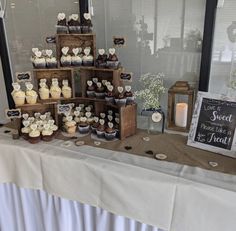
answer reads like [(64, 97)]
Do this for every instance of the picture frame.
[(213, 124)]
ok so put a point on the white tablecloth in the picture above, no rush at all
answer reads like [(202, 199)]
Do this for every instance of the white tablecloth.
[(166, 195)]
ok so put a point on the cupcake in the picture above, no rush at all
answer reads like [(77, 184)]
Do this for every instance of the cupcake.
[(18, 95), (110, 133), (43, 90), (66, 90), (90, 89), (61, 24), (83, 126), (120, 98), (70, 125), (100, 91), (74, 24), (95, 124), (87, 25), (112, 61), (76, 59), (87, 58), (31, 95), (47, 133), (54, 128), (101, 60), (55, 90), (129, 95), (88, 114), (109, 94), (25, 132), (34, 135), (101, 129), (39, 62), (51, 62), (65, 58)]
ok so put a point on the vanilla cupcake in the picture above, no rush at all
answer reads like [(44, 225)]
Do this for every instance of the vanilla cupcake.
[(66, 60), (83, 125), (25, 132), (43, 90), (34, 135), (70, 127), (47, 133), (66, 90), (39, 62), (31, 95), (55, 90), (18, 95), (51, 62)]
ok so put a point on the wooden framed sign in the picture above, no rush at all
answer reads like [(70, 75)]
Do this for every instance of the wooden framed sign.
[(23, 76), (64, 108), (13, 113), (126, 76), (213, 124), (119, 41)]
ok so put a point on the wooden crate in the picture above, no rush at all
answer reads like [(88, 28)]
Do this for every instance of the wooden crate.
[(111, 75), (59, 73), (74, 41), (41, 108)]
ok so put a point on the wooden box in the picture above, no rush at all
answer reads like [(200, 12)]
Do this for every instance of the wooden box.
[(74, 41), (60, 73), (111, 75)]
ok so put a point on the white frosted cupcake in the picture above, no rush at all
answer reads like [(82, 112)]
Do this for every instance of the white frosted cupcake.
[(31, 97), (18, 97), (34, 136), (55, 90), (39, 62), (51, 62), (66, 90), (66, 60)]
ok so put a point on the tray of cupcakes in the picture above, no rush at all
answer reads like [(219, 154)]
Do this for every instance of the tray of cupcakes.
[(107, 61), (73, 25), (43, 59), (79, 57), (37, 127)]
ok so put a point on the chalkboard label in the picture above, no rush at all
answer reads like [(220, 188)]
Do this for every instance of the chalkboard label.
[(119, 41), (64, 108), (51, 39), (13, 113), (214, 125), (23, 76), (127, 76)]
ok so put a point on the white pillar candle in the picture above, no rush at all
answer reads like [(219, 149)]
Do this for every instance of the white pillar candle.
[(181, 114)]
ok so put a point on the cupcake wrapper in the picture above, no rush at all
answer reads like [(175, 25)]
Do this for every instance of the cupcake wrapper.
[(87, 29), (109, 100), (110, 136), (39, 65), (130, 100), (47, 138), (51, 65), (100, 95), (83, 130), (113, 64), (75, 29), (88, 63), (91, 94), (121, 102), (34, 140), (66, 64), (76, 63), (94, 130), (62, 29), (100, 134)]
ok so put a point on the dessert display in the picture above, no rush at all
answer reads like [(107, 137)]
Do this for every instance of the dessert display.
[(18, 95), (129, 95), (101, 61), (65, 58), (55, 90), (87, 25), (61, 24), (110, 133), (31, 95), (51, 61), (100, 91), (66, 90), (112, 61), (87, 58), (74, 24), (109, 94), (120, 99), (43, 90), (76, 59)]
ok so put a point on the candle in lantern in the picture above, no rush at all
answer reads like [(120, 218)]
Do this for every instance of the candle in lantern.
[(181, 114)]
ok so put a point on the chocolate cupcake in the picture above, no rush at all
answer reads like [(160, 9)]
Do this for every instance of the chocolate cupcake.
[(101, 129), (87, 25), (112, 61), (83, 126), (90, 89), (120, 98), (100, 91), (95, 124), (74, 24), (110, 133), (109, 94), (129, 95), (61, 24), (101, 61)]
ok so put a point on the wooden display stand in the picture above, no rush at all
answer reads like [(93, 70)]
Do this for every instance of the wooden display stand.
[(59, 73)]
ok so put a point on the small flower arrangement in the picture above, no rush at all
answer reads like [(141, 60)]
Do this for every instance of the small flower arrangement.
[(153, 89)]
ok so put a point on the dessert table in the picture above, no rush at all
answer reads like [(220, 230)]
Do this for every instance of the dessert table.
[(161, 194)]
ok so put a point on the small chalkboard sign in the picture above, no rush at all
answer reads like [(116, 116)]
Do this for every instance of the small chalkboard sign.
[(119, 41), (213, 124), (51, 39), (64, 108), (13, 113), (23, 76), (126, 76)]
